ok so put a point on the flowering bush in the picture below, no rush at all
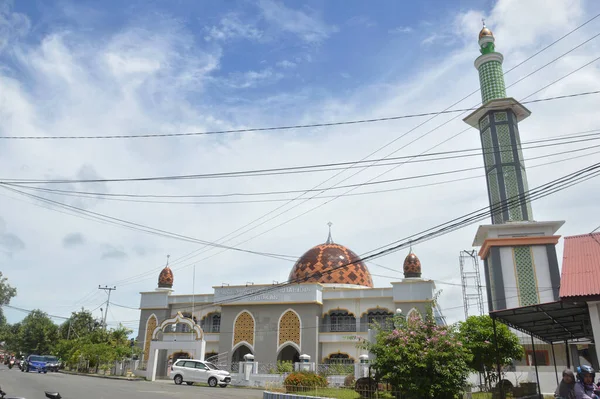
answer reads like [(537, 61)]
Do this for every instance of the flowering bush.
[(421, 359), (301, 381)]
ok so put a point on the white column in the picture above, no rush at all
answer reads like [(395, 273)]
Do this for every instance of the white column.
[(595, 321), (154, 357)]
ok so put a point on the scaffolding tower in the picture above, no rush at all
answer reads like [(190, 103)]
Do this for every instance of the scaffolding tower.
[(470, 281)]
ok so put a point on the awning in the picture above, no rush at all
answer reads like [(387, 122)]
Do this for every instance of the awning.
[(550, 322)]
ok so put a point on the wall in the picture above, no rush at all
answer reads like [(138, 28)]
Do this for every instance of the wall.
[(266, 324)]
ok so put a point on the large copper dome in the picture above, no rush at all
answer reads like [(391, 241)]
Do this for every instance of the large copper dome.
[(316, 264), (165, 278)]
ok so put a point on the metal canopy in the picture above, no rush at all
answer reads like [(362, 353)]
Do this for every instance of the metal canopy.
[(550, 322)]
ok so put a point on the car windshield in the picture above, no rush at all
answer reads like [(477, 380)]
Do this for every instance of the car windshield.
[(36, 359), (51, 358), (212, 366)]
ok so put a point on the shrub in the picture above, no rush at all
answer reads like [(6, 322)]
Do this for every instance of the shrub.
[(301, 381), (284, 367), (349, 380)]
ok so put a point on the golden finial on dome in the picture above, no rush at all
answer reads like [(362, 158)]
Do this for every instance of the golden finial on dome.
[(485, 31)]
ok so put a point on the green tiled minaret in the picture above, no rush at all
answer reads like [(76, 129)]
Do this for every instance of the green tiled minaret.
[(497, 121)]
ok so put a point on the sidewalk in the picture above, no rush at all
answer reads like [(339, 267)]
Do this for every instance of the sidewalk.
[(112, 377)]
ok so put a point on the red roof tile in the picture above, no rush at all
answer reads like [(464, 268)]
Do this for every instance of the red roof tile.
[(581, 266)]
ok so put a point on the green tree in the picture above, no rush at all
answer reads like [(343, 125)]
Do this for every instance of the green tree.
[(6, 291), (37, 334), (80, 324), (421, 359), (477, 334)]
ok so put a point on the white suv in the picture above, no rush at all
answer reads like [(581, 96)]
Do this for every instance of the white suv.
[(190, 371)]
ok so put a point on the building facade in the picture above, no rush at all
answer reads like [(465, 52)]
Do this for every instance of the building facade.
[(327, 308)]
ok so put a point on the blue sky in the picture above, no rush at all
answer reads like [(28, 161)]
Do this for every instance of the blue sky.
[(98, 68)]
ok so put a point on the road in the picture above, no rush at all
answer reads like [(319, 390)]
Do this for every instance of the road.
[(32, 386)]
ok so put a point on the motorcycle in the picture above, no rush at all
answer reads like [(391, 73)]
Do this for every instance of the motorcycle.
[(11, 363), (49, 395)]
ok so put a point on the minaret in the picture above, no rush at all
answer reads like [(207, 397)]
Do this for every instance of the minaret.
[(519, 254)]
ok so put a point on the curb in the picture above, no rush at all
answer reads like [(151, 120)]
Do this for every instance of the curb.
[(109, 377)]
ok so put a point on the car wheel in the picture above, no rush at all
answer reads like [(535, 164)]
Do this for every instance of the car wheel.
[(189, 383), (45, 372), (212, 382), (178, 379), (223, 385)]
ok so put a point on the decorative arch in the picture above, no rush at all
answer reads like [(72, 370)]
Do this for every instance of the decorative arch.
[(151, 324), (289, 327), (414, 313), (288, 352), (239, 350), (179, 319), (338, 358), (243, 328), (339, 320)]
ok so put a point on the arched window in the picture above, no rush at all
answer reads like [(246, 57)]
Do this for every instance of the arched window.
[(211, 323), (379, 317), (339, 321)]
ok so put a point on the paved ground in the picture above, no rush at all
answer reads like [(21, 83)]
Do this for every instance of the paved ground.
[(32, 386)]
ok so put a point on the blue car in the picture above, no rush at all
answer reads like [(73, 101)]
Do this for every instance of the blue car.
[(36, 363)]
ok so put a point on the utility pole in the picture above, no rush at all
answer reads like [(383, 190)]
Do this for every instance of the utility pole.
[(107, 289)]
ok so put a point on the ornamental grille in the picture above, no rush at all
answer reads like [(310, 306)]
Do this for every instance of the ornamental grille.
[(526, 281), (243, 329), (289, 328)]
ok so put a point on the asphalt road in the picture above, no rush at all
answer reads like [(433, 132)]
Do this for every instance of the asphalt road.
[(32, 386)]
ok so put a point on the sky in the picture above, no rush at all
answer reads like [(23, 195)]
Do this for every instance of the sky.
[(87, 68)]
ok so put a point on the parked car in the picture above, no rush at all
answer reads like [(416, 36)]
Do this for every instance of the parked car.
[(190, 371), (35, 363), (52, 363)]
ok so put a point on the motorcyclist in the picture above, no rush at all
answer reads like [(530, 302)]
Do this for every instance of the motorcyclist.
[(584, 388)]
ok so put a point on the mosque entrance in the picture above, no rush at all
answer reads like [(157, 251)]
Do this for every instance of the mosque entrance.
[(288, 354), (238, 354)]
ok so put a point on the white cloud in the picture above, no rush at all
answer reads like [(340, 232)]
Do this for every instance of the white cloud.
[(286, 64), (231, 27), (309, 27), (251, 79), (13, 25), (400, 30), (132, 82)]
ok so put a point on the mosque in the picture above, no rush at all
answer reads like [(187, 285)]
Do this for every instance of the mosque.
[(323, 317)]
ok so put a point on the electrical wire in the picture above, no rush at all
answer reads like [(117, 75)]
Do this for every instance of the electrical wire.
[(204, 249), (587, 135), (286, 127), (137, 226), (114, 197), (444, 228), (473, 217)]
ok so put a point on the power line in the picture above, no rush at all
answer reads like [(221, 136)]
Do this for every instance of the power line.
[(444, 228), (136, 226), (115, 196), (473, 217), (583, 136), (204, 249), (284, 127)]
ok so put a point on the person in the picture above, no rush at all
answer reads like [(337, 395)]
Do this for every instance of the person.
[(584, 388), (566, 388)]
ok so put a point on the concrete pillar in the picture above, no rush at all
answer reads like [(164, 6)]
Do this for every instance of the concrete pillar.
[(304, 364), (595, 321), (361, 369), (248, 366)]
